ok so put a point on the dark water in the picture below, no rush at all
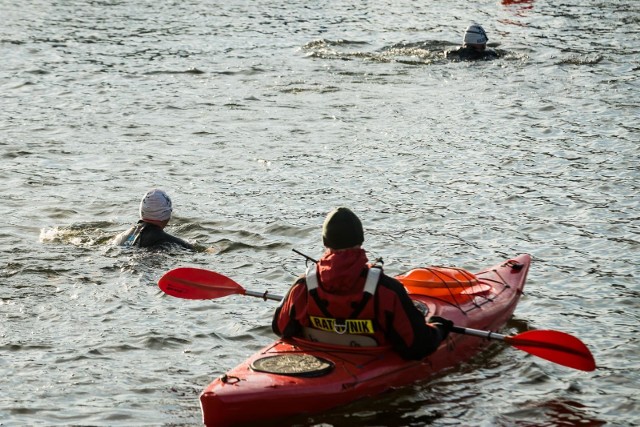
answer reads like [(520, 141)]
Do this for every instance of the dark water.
[(258, 118)]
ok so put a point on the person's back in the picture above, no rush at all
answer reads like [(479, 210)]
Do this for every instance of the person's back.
[(155, 213), (344, 300)]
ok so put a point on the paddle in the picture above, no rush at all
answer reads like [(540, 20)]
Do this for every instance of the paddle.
[(555, 346), (197, 283)]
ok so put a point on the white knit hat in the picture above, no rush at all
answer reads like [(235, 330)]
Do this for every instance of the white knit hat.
[(156, 205), (474, 34)]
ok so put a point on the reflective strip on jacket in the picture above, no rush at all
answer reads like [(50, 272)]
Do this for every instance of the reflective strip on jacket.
[(348, 318)]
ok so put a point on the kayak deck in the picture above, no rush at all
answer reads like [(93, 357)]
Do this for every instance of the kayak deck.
[(248, 393)]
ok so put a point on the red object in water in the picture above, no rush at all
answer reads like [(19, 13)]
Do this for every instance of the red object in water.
[(248, 394)]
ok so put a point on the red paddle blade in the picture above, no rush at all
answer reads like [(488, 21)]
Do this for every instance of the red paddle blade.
[(556, 346), (197, 283)]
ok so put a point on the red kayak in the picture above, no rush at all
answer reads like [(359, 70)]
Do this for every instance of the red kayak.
[(295, 376)]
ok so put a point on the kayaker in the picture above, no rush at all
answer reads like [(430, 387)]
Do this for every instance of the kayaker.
[(474, 46), (155, 213), (345, 300)]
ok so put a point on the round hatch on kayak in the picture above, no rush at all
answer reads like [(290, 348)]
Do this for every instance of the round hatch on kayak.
[(299, 365)]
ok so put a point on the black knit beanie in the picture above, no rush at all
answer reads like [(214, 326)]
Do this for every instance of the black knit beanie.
[(342, 229)]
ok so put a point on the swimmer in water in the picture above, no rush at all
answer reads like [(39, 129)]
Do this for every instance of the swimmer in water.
[(474, 46), (155, 213)]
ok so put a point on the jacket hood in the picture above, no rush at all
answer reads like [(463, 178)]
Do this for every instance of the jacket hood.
[(340, 272)]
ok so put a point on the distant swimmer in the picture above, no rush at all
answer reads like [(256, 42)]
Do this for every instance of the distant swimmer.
[(474, 46), (155, 213)]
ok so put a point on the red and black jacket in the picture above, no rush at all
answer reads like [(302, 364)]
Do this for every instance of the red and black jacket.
[(349, 318), (341, 295)]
